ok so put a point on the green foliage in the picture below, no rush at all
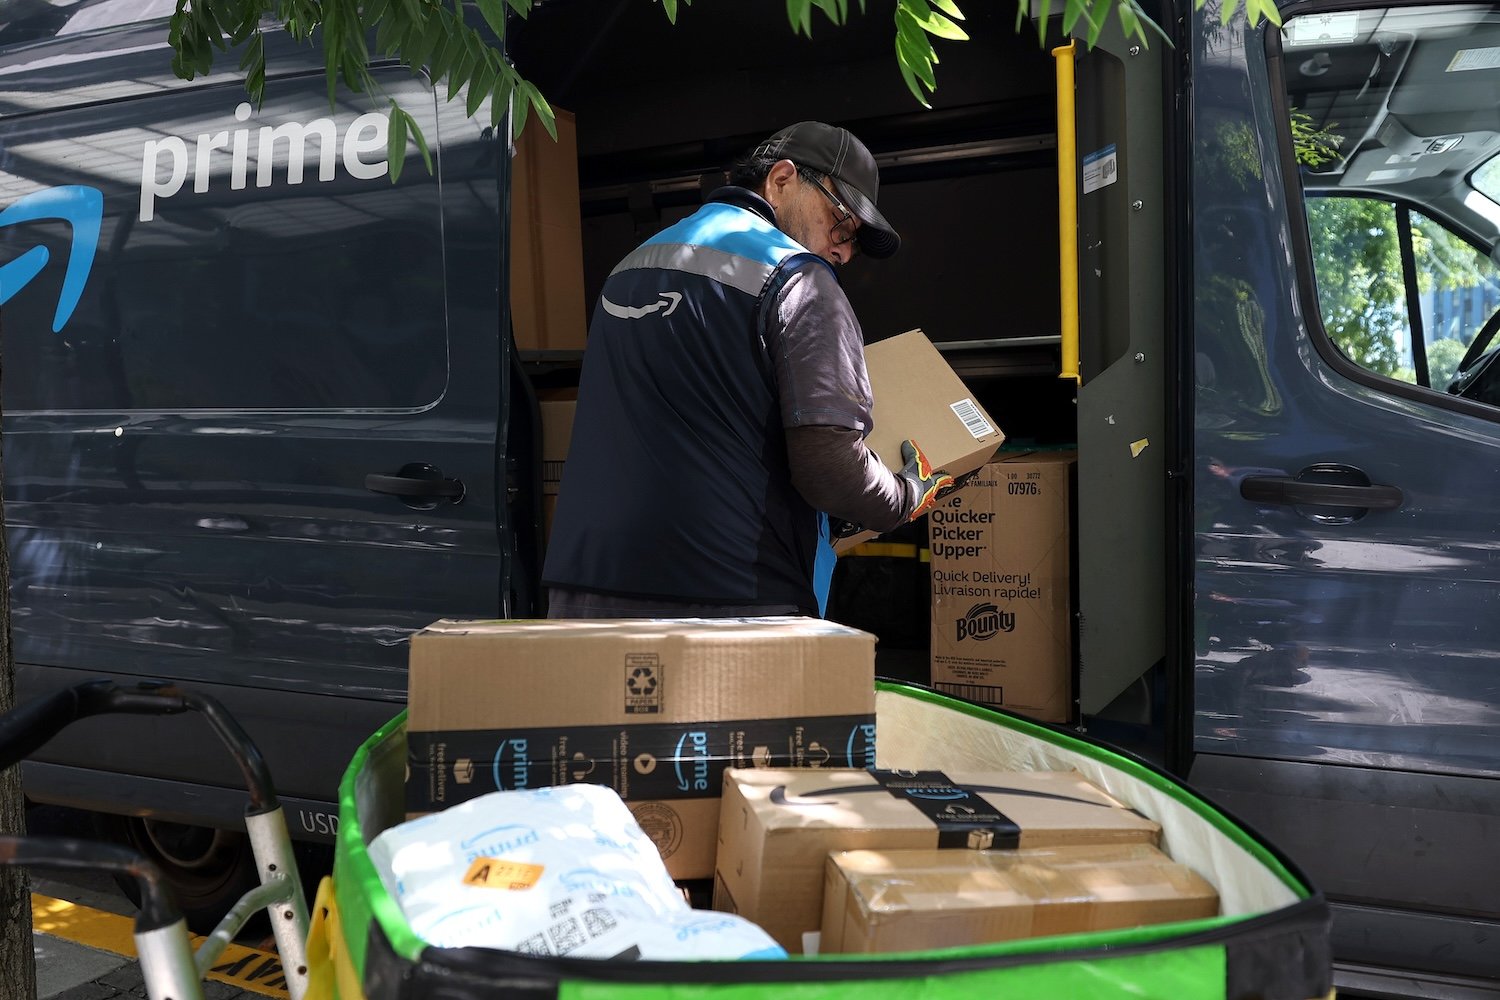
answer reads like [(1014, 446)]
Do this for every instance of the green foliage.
[(432, 35), (1254, 11), (1314, 146), (418, 34)]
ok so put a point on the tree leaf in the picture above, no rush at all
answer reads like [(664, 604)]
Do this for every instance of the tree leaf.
[(421, 140), (907, 28), (1098, 17), (501, 98), (911, 82), (544, 112), (520, 107), (1072, 11), (670, 6), (493, 12), (482, 82), (1256, 9), (934, 23), (395, 141), (521, 7), (917, 58), (464, 63), (950, 8)]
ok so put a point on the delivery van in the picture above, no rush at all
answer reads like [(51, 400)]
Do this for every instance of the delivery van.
[(267, 412)]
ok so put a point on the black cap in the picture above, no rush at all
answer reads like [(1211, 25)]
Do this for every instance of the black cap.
[(835, 152)]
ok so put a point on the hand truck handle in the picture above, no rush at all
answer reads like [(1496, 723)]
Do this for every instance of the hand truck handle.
[(28, 727), (157, 910)]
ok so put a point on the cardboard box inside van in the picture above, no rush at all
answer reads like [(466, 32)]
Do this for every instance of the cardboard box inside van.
[(1002, 583), (547, 307)]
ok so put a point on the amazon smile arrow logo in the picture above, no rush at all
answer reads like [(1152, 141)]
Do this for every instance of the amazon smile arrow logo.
[(83, 209), (668, 301)]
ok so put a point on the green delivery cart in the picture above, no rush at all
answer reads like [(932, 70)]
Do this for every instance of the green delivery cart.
[(1269, 942)]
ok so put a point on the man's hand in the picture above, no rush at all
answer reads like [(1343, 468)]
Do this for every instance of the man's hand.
[(932, 484)]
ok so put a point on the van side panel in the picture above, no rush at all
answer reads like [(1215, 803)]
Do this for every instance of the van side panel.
[(1345, 666), (266, 321)]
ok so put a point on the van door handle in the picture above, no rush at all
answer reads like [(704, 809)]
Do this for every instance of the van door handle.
[(1323, 485), (419, 482)]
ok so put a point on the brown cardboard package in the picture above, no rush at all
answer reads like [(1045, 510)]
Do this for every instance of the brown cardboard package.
[(656, 709), (918, 396), (1001, 614), (557, 432), (885, 901), (548, 312), (777, 827)]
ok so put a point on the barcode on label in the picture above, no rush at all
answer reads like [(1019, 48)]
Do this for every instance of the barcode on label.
[(987, 694), (973, 419)]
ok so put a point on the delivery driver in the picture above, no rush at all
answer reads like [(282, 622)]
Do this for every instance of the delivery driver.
[(723, 402)]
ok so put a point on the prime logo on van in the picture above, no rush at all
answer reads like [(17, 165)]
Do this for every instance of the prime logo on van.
[(82, 208), (167, 164)]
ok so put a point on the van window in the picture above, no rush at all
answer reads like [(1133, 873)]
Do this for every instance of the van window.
[(1392, 114), (1362, 288), (243, 260)]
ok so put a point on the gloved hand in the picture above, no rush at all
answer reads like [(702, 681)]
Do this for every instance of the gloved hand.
[(932, 484)]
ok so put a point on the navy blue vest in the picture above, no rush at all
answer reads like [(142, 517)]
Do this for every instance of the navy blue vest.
[(676, 483)]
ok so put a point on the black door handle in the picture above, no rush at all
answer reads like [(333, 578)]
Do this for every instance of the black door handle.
[(418, 485), (1323, 486)]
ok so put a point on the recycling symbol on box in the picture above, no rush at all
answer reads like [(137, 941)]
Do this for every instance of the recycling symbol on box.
[(641, 682)]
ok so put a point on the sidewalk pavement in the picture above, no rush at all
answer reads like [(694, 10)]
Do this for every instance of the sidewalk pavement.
[(84, 951)]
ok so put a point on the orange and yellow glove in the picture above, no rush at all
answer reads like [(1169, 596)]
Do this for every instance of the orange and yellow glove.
[(931, 484)]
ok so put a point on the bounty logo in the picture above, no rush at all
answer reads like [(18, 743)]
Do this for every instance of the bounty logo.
[(512, 766), (82, 208), (692, 762), (984, 621), (668, 301)]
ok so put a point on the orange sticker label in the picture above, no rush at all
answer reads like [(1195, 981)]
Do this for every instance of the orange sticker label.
[(493, 873)]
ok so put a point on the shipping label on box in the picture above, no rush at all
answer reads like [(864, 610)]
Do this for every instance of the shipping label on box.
[(919, 396), (910, 900), (656, 709), (1001, 552), (776, 827)]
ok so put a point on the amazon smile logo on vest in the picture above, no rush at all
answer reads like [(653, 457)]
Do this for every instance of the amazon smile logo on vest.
[(82, 208), (668, 301)]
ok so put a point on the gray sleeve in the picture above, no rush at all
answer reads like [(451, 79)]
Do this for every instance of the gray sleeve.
[(837, 474), (818, 353)]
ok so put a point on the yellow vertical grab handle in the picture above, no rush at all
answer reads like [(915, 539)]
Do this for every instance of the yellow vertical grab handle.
[(1067, 209)]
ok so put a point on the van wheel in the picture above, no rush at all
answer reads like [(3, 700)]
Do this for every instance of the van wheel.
[(207, 869)]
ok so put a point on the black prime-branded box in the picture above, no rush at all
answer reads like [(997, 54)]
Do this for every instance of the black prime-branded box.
[(655, 709)]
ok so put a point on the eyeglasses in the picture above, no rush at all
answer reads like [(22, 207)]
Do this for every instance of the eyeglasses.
[(842, 231)]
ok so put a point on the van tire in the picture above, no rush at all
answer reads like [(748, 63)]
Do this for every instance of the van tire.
[(207, 869)]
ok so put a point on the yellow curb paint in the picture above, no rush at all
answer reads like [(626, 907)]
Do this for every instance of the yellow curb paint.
[(247, 968)]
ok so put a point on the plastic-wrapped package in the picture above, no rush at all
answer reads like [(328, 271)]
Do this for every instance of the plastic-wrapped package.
[(551, 871)]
